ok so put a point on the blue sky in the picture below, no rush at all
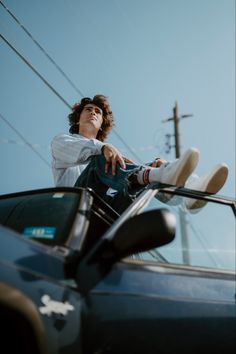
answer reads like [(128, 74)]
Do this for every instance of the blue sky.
[(143, 54)]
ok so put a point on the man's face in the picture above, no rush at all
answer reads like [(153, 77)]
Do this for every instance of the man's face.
[(91, 115)]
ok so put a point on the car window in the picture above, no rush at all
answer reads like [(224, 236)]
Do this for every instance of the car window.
[(205, 237), (45, 217), (54, 217)]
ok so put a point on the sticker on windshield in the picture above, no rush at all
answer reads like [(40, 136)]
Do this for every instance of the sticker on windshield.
[(46, 232), (58, 195)]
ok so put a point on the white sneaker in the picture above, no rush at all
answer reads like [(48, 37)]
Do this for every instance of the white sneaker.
[(177, 172), (211, 183)]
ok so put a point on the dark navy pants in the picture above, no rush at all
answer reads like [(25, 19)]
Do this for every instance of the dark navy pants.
[(115, 190)]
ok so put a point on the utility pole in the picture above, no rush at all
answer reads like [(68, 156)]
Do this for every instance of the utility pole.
[(176, 128), (183, 223)]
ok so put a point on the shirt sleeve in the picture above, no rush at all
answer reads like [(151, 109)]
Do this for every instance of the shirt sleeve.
[(73, 149)]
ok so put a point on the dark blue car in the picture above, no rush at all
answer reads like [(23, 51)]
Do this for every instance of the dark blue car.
[(76, 277)]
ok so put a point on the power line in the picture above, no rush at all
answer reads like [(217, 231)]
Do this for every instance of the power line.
[(57, 94), (58, 68), (42, 49), (25, 140), (203, 243), (39, 146), (35, 71), (128, 147)]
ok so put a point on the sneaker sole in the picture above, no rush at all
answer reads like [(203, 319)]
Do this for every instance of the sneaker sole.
[(213, 186), (217, 181), (190, 162)]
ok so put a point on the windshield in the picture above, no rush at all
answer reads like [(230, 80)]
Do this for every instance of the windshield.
[(205, 237)]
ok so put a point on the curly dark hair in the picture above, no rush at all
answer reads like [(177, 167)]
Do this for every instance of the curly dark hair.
[(100, 101)]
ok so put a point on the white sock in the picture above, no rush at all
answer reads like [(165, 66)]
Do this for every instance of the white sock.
[(154, 175), (148, 175)]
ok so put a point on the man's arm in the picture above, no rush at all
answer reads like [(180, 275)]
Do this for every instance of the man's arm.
[(69, 150)]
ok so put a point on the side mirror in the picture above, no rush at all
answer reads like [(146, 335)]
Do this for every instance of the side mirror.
[(140, 233), (143, 232)]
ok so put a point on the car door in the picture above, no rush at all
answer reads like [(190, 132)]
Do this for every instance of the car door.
[(157, 302), (140, 307)]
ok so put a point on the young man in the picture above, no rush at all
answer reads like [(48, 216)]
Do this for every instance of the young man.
[(82, 158)]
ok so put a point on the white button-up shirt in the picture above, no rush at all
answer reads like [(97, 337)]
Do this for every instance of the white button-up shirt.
[(70, 156)]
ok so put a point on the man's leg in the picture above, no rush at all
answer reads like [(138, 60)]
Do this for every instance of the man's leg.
[(112, 189), (89, 178), (173, 173)]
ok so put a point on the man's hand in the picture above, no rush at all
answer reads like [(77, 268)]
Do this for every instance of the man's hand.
[(158, 162), (128, 160), (112, 156)]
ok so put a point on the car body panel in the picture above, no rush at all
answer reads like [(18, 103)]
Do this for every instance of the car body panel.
[(184, 305), (133, 305)]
